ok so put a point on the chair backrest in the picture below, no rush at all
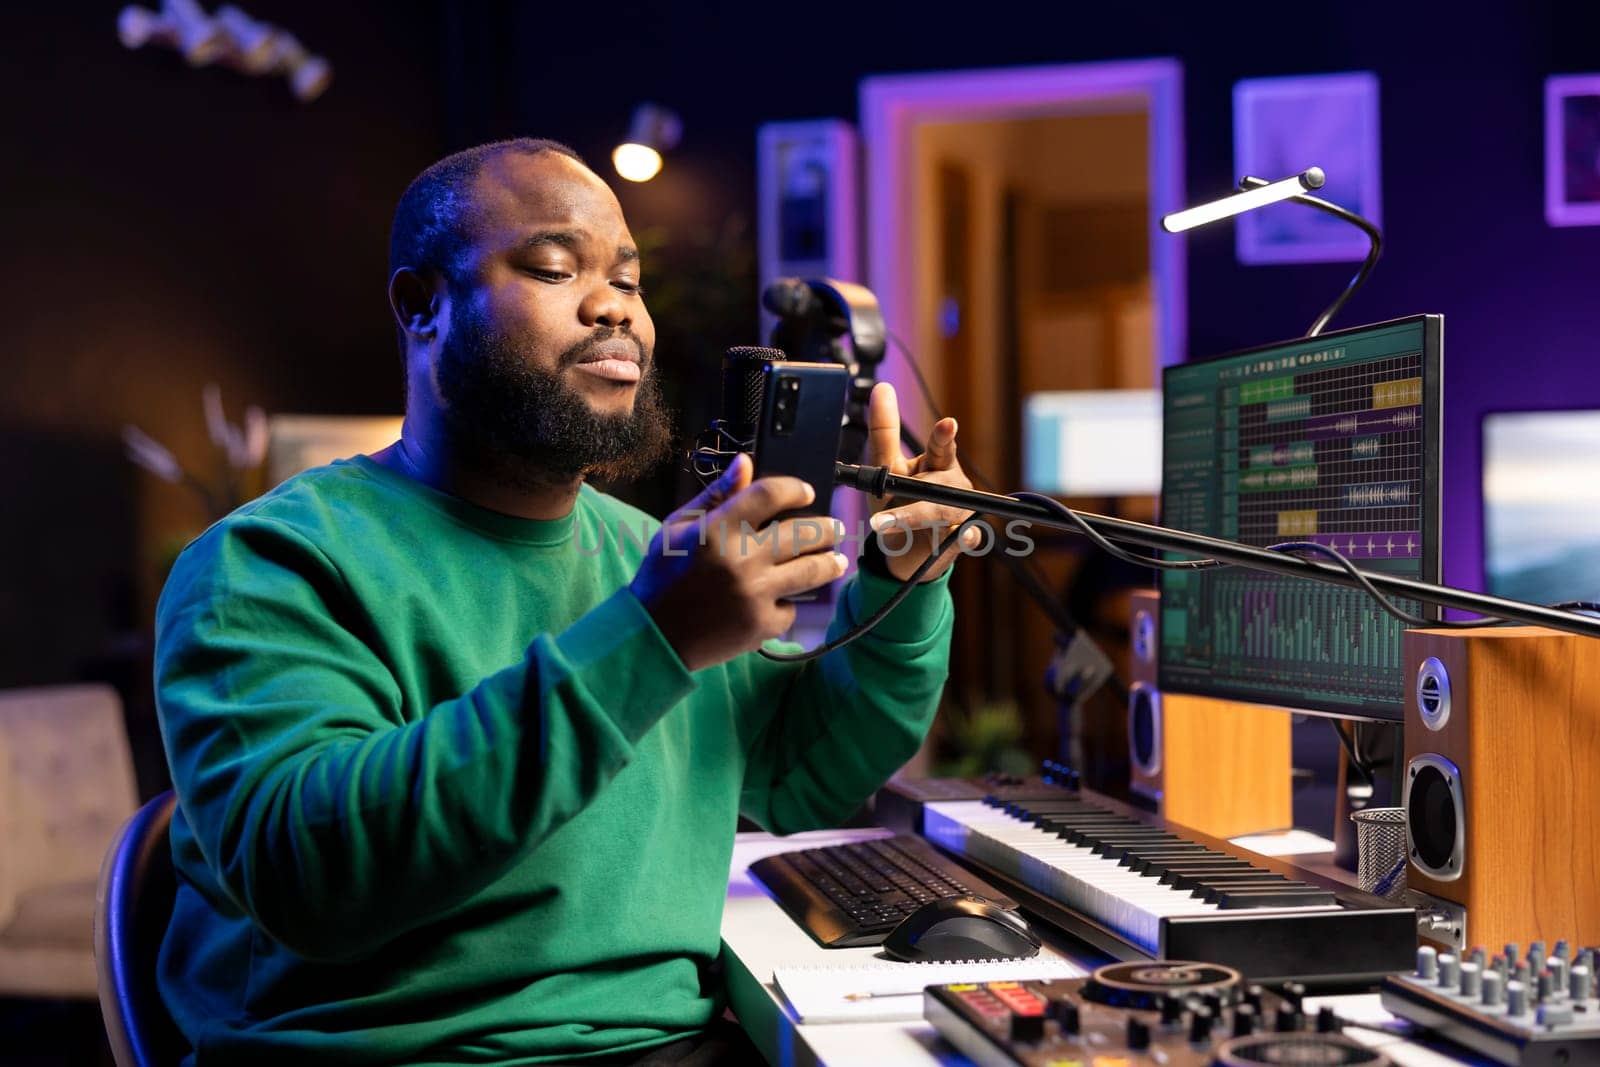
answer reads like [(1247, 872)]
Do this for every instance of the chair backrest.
[(132, 910)]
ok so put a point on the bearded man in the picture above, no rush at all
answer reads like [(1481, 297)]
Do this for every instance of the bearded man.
[(455, 787)]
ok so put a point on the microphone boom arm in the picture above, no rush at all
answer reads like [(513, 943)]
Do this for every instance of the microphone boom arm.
[(878, 482)]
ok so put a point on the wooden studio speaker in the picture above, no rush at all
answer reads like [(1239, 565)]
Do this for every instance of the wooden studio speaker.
[(1219, 766), (1502, 780)]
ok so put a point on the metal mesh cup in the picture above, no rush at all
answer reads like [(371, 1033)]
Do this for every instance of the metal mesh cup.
[(1381, 846)]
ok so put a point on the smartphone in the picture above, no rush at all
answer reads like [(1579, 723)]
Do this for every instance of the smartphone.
[(802, 415)]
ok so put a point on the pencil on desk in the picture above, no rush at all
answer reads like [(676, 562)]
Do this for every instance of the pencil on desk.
[(879, 996)]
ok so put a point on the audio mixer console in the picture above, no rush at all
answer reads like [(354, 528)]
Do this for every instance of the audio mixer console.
[(1524, 1010), (1171, 1013)]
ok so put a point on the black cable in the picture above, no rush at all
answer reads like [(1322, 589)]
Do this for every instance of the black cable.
[(1082, 525), (1589, 606), (1024, 570), (927, 395), (1371, 590), (1374, 249), (1361, 766), (1286, 547), (883, 612)]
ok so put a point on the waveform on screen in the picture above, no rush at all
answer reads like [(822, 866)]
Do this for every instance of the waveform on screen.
[(1377, 494), (1296, 408), (1366, 447)]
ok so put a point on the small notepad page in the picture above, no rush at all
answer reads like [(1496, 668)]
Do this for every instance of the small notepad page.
[(878, 990)]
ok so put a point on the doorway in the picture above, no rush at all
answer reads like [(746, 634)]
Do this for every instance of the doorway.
[(1012, 240)]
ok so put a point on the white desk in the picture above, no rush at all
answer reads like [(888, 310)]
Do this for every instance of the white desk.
[(758, 935)]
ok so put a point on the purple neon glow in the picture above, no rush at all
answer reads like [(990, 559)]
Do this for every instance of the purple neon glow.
[(1572, 150), (1281, 126)]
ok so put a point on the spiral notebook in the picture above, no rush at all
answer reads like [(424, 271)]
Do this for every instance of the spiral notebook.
[(878, 990)]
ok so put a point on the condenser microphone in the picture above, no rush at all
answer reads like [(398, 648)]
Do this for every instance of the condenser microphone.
[(735, 431), (743, 382)]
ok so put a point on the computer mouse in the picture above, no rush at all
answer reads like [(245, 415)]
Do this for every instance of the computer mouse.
[(961, 928)]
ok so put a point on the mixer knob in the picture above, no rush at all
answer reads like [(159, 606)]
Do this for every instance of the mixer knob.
[(1244, 1021), (1471, 979), (1449, 972), (1536, 957), (1581, 983), (1171, 1010), (1027, 1028), (1427, 963), (1494, 989), (1516, 998), (1479, 956), (1513, 951), (1558, 974), (1065, 1012), (1564, 949), (1138, 1035), (1200, 1025), (1543, 987), (1328, 1021), (1252, 997), (1288, 1020), (1294, 992)]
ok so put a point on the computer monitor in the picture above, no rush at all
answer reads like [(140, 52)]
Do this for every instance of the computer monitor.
[(1333, 439), (1541, 539), (1094, 442)]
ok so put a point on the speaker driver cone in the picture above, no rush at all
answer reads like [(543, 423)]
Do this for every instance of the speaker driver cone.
[(1436, 825), (1144, 728)]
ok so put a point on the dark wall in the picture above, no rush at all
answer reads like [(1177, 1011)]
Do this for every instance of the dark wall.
[(165, 227)]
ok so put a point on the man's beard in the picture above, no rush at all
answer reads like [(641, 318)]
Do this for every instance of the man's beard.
[(535, 428)]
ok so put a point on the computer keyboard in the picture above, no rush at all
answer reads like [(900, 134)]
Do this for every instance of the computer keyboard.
[(850, 895)]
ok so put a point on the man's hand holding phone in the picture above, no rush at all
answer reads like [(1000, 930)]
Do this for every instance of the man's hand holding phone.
[(719, 572)]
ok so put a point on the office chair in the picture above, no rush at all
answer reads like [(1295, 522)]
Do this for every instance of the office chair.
[(132, 909)]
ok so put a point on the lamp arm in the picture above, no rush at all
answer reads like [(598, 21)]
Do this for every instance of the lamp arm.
[(1375, 248)]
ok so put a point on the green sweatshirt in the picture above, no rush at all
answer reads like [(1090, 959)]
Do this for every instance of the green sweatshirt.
[(448, 796)]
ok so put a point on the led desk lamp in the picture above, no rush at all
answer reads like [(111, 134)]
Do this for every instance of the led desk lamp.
[(1256, 192)]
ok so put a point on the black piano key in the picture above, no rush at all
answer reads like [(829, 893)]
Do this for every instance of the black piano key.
[(1171, 875), (1305, 896), (1158, 857), (1212, 891), (1195, 880), (1132, 850), (1152, 840), (1127, 858)]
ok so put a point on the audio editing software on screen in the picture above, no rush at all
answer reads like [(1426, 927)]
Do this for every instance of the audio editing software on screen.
[(1332, 440)]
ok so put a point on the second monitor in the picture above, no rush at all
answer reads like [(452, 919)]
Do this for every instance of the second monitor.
[(1333, 439)]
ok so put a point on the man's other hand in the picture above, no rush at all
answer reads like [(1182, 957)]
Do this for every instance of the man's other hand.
[(910, 530)]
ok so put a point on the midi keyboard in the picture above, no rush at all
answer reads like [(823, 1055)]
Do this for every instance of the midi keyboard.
[(1138, 887)]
